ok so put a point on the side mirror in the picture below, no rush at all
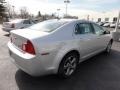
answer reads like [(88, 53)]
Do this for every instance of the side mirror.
[(106, 32)]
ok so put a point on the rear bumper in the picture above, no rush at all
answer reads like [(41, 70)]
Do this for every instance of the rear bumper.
[(7, 29), (35, 66)]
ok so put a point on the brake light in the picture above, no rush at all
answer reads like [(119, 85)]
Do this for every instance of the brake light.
[(28, 47), (13, 25)]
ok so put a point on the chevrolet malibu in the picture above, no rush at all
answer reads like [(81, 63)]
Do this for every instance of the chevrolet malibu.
[(57, 46)]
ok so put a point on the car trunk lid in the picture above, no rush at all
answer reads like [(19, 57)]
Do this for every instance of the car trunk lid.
[(21, 36), (7, 24)]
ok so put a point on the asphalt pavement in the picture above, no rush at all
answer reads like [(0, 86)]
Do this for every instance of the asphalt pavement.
[(101, 72)]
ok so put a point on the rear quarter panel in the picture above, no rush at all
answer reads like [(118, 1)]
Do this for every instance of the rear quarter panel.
[(57, 44)]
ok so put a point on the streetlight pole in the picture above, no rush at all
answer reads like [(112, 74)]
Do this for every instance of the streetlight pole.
[(66, 3), (58, 12)]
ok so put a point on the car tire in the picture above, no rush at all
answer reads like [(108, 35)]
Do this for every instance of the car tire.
[(108, 49), (21, 27), (68, 65)]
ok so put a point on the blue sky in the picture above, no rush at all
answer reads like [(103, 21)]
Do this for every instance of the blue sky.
[(50, 6)]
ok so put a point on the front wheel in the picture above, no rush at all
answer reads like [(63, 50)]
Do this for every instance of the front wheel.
[(68, 65), (108, 49)]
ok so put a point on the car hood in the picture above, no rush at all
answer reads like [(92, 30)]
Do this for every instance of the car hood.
[(28, 33)]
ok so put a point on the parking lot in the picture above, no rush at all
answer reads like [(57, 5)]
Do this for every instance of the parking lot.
[(102, 72)]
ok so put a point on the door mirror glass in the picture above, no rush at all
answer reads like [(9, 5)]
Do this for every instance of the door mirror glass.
[(106, 32)]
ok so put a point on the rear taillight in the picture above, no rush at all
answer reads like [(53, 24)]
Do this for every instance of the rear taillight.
[(13, 25), (28, 47)]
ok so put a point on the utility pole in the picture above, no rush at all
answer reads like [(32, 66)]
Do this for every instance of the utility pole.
[(13, 11), (116, 33), (66, 3)]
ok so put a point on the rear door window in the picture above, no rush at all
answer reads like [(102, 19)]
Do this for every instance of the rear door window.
[(26, 22), (83, 28)]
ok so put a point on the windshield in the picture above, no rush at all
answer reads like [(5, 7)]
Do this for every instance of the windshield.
[(48, 26)]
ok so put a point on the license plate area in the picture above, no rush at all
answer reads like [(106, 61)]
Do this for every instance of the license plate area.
[(17, 41)]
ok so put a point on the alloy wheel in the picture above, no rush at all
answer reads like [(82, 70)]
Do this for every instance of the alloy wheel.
[(109, 47), (70, 65)]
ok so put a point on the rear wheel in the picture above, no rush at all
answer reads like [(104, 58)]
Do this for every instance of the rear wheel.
[(68, 65)]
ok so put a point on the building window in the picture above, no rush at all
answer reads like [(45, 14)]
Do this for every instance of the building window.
[(106, 19), (115, 19), (99, 19)]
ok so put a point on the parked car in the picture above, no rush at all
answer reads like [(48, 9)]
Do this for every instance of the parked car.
[(112, 25), (107, 24), (101, 23), (17, 24), (119, 26), (57, 46)]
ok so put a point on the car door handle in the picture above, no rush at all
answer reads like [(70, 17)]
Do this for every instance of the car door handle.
[(98, 37), (84, 39)]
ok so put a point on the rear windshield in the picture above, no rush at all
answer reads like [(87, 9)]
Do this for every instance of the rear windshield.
[(16, 20), (48, 26)]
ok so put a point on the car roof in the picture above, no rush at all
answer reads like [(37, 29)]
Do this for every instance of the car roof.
[(73, 20), (16, 20)]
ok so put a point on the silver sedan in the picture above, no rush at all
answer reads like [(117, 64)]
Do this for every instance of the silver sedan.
[(57, 46)]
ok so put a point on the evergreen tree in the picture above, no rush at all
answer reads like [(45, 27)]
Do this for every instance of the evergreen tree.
[(39, 14), (2, 8)]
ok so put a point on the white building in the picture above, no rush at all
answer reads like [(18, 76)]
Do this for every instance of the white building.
[(110, 16)]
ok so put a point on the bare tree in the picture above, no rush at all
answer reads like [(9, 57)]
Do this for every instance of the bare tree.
[(2, 8), (24, 13), (9, 10)]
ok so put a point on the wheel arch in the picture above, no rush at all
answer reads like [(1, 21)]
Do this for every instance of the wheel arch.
[(73, 51), (61, 58)]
